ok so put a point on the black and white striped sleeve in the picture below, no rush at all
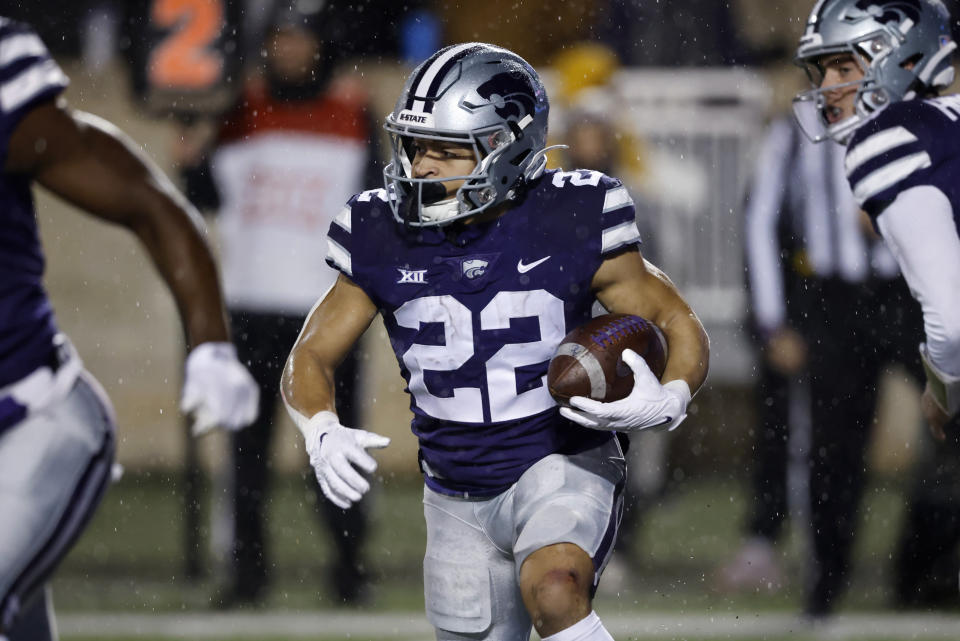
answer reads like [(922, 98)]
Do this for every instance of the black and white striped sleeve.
[(765, 201), (619, 219), (28, 75), (339, 241)]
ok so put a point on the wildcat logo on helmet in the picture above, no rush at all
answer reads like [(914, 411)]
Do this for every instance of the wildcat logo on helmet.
[(897, 11), (509, 93), (414, 118)]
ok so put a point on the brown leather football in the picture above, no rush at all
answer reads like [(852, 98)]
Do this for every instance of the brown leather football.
[(587, 362)]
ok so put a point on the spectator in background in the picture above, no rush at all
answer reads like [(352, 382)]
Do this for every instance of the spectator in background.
[(828, 304), (283, 163)]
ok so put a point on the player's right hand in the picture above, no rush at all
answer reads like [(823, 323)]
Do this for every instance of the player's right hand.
[(334, 452), (650, 404)]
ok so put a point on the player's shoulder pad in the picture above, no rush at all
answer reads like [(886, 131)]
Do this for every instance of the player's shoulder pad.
[(895, 148), (909, 128), (370, 197), (359, 205), (589, 185), (922, 119)]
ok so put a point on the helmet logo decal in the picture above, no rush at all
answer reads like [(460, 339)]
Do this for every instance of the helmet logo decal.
[(509, 93), (896, 11), (407, 116)]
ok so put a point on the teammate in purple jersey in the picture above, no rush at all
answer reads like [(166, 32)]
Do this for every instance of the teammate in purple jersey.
[(56, 424), (480, 261), (878, 67)]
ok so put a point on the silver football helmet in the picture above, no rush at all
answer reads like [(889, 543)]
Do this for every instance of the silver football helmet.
[(475, 94), (902, 46)]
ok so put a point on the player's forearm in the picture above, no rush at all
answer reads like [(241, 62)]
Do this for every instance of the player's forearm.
[(689, 348), (170, 229), (173, 238), (307, 385)]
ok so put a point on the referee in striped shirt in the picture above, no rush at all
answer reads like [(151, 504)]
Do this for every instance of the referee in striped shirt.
[(828, 305)]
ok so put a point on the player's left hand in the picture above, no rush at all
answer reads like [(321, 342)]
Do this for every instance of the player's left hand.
[(334, 450), (649, 404), (217, 389), (933, 414)]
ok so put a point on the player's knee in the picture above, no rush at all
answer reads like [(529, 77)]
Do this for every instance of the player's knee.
[(557, 597)]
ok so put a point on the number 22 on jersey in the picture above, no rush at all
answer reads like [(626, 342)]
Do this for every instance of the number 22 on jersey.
[(466, 404)]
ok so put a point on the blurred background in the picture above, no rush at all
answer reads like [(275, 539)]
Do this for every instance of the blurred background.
[(675, 98)]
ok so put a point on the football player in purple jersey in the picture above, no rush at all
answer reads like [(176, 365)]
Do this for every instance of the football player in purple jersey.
[(480, 261), (878, 68), (56, 425)]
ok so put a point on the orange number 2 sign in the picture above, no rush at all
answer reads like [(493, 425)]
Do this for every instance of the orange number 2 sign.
[(186, 59)]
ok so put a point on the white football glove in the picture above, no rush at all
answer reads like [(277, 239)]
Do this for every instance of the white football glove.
[(649, 404), (218, 389), (334, 450)]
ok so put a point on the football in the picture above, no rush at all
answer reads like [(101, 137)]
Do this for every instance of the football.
[(587, 362)]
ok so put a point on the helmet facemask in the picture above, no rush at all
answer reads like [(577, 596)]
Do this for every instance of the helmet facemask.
[(423, 202)]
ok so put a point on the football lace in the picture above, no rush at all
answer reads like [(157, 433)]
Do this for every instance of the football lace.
[(617, 330)]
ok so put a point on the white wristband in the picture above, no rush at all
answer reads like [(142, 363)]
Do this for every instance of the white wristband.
[(308, 426)]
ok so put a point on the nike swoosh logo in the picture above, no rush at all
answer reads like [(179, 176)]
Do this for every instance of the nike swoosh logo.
[(523, 269)]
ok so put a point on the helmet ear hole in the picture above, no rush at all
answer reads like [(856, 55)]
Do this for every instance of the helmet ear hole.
[(519, 158)]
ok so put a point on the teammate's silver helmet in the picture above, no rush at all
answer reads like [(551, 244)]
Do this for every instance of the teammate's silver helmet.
[(475, 94), (885, 37)]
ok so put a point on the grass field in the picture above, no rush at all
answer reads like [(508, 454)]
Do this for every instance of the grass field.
[(125, 578)]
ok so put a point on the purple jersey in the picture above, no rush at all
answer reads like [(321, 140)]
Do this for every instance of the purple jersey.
[(28, 76), (909, 144), (475, 314)]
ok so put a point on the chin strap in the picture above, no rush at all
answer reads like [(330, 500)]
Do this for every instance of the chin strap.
[(439, 211)]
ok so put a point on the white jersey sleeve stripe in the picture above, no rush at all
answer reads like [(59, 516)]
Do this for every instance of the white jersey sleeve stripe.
[(616, 198), (875, 145), (30, 82), (339, 256), (344, 218), (889, 175), (21, 45), (618, 236)]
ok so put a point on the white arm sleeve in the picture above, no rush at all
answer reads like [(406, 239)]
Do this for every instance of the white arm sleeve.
[(920, 230)]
